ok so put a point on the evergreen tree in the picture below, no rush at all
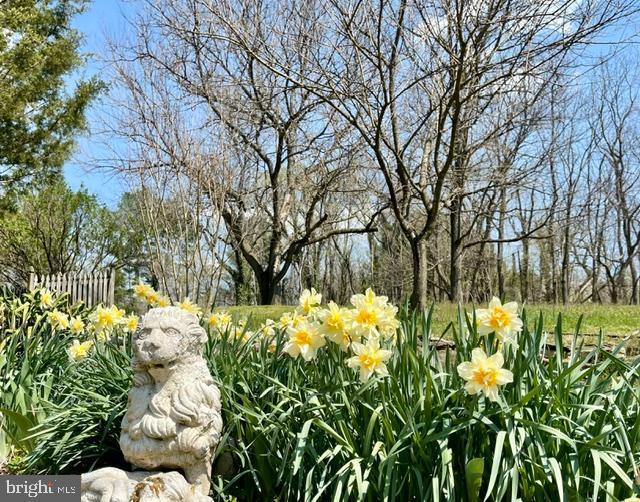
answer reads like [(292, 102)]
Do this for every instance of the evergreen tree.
[(40, 112)]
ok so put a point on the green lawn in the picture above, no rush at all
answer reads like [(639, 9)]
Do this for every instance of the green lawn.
[(615, 320)]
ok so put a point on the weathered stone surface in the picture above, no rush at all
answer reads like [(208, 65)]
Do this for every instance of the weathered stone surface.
[(115, 485), (173, 418)]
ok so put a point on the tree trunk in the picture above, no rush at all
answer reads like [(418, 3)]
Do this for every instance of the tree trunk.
[(418, 298), (500, 249), (565, 278), (614, 291), (266, 287), (554, 273), (634, 283), (524, 271), (595, 294), (474, 293), (454, 256), (242, 281)]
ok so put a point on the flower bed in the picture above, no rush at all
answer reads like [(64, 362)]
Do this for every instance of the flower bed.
[(331, 402)]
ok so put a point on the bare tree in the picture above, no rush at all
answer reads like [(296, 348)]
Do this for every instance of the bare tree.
[(414, 78), (284, 167), (616, 134), (458, 127)]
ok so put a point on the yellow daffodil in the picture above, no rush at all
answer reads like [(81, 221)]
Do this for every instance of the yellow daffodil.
[(79, 350), (241, 333), (388, 324), (309, 301), (58, 320), (268, 332), (77, 325), (131, 323), (219, 320), (291, 319), (369, 298), (107, 318), (152, 297), (369, 358), (46, 299), (373, 316), (632, 499), (484, 373), (304, 340), (118, 314), (188, 306), (334, 325), (501, 319), (268, 328), (104, 335), (143, 291), (365, 319), (162, 301)]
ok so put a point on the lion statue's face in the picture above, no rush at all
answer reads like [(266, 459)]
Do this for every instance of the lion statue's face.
[(166, 335)]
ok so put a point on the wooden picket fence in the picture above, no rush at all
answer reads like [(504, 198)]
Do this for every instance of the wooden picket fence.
[(92, 289)]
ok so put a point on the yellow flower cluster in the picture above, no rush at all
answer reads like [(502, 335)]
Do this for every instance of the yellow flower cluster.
[(46, 299), (150, 295), (188, 306), (290, 319), (105, 319), (58, 320), (372, 316), (309, 301), (485, 373), (219, 320), (79, 350), (359, 329), (101, 322)]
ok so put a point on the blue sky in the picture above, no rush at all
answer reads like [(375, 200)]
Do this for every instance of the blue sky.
[(107, 19), (102, 18)]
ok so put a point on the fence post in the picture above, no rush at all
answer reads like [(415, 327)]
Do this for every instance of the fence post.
[(103, 287), (112, 286), (72, 287), (81, 293)]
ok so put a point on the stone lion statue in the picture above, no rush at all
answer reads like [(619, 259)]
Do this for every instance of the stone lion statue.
[(173, 418)]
